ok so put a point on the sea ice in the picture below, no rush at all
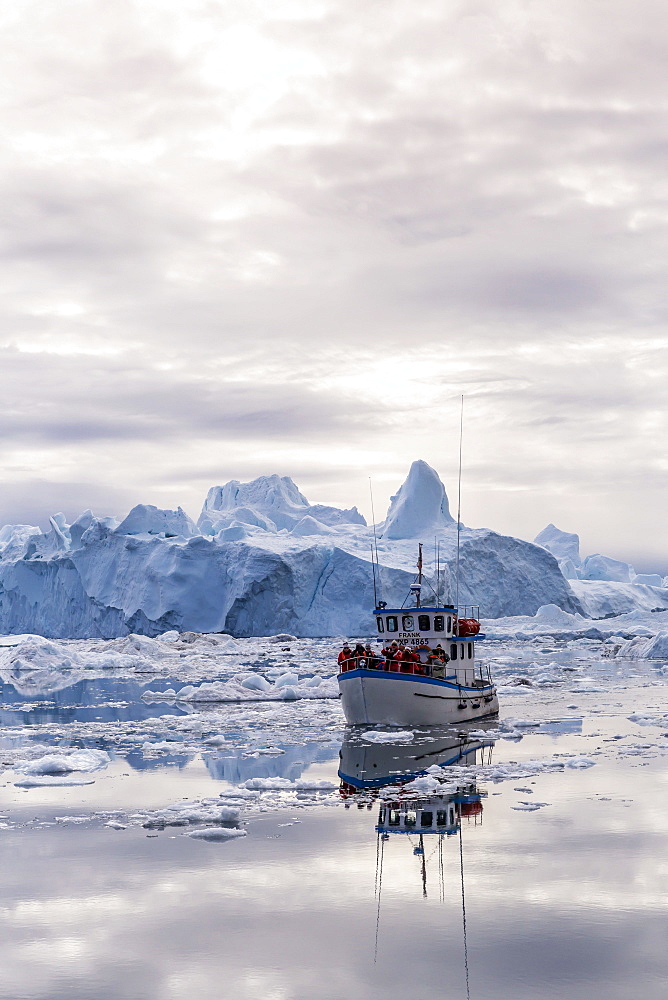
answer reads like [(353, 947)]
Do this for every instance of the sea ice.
[(396, 736), (65, 763), (216, 833)]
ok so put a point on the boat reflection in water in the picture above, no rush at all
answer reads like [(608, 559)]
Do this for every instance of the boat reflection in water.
[(423, 818), (366, 765), (386, 772)]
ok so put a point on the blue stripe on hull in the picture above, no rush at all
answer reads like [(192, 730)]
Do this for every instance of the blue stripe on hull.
[(389, 675)]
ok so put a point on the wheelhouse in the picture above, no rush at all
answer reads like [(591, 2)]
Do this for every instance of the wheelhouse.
[(419, 626)]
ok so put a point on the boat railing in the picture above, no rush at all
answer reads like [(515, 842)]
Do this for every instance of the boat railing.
[(478, 676), (469, 676), (468, 611), (382, 663)]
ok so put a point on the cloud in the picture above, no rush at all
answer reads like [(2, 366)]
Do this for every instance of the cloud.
[(292, 235)]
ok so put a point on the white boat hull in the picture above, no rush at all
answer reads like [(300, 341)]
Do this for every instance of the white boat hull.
[(380, 697)]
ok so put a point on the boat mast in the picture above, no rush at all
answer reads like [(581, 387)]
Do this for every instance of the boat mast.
[(459, 505), (373, 570), (375, 543)]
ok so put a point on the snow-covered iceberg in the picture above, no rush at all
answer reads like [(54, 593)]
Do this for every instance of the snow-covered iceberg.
[(263, 560), (420, 508), (269, 503), (604, 586)]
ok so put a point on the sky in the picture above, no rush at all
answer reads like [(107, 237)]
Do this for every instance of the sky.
[(241, 238)]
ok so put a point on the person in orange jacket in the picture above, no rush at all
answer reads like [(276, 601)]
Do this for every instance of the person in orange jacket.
[(344, 655)]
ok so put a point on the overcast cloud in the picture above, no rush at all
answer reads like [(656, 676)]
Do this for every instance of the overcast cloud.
[(251, 237)]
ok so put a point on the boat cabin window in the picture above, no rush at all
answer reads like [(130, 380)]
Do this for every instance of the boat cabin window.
[(470, 651), (407, 623), (392, 623), (379, 623), (394, 817), (438, 623), (426, 819), (449, 624), (423, 623), (410, 818), (453, 651), (441, 817)]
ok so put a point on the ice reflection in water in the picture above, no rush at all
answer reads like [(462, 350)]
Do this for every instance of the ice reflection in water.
[(564, 903)]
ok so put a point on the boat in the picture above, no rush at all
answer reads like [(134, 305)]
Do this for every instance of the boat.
[(436, 680)]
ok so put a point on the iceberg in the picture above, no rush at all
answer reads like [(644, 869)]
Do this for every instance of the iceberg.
[(150, 520), (598, 567), (607, 598), (262, 560), (604, 586), (269, 503), (648, 580), (565, 545), (420, 508)]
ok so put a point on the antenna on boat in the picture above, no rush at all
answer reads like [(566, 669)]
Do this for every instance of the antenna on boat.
[(375, 543), (438, 573), (373, 570), (459, 505)]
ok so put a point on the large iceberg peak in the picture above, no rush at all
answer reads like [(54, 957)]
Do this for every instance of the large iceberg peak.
[(265, 492), (562, 544), (269, 503), (420, 507), (275, 497), (147, 519)]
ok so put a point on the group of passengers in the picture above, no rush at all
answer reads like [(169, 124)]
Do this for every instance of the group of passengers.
[(396, 657)]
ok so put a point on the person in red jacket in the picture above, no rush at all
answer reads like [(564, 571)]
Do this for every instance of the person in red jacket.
[(404, 656), (392, 657), (418, 665), (344, 655)]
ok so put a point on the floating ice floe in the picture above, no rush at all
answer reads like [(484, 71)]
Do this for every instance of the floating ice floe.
[(36, 766), (254, 687), (286, 785), (580, 762), (216, 833), (55, 780), (396, 736)]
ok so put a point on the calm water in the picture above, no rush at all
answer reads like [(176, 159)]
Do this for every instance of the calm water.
[(569, 900)]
